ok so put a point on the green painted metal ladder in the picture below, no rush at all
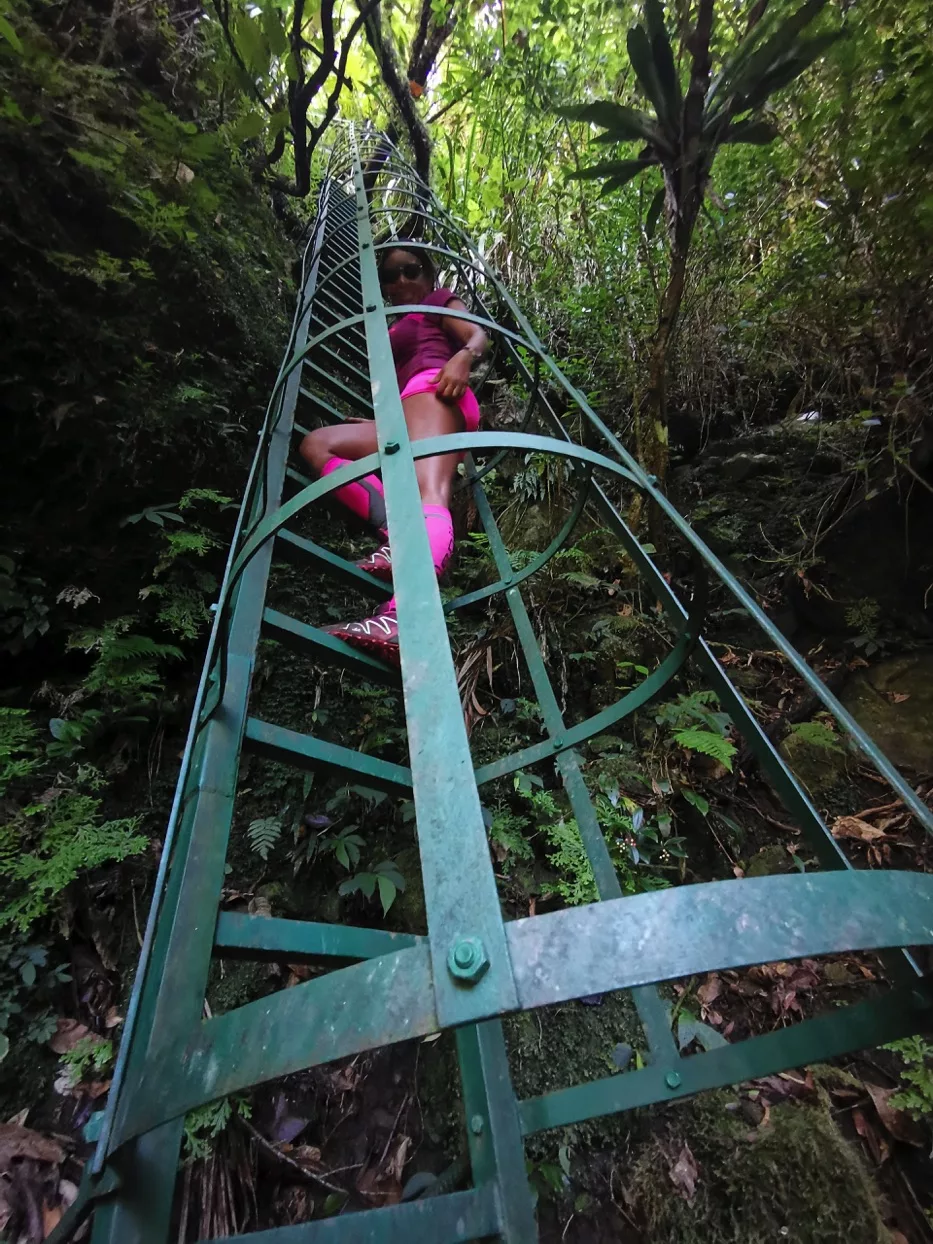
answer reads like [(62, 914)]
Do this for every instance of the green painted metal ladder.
[(471, 967)]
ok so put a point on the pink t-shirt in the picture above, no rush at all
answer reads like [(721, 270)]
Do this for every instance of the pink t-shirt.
[(419, 342)]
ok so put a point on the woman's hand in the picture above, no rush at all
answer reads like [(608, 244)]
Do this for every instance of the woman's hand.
[(454, 377)]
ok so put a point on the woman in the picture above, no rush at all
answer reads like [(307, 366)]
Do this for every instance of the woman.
[(433, 355)]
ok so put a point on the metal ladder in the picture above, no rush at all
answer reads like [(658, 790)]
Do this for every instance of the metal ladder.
[(470, 967)]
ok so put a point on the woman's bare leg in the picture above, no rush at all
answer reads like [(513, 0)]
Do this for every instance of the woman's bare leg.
[(426, 415), (351, 440)]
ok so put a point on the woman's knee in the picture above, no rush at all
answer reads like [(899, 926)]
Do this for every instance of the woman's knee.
[(317, 447)]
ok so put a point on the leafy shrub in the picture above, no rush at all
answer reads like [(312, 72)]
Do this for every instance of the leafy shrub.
[(48, 845)]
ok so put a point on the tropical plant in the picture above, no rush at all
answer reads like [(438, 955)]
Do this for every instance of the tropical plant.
[(682, 136)]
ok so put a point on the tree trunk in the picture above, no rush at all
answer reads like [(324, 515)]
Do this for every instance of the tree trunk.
[(652, 442)]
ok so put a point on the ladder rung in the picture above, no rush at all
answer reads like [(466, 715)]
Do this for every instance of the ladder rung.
[(270, 937), (304, 751), (301, 552), (330, 411), (452, 1219), (324, 648)]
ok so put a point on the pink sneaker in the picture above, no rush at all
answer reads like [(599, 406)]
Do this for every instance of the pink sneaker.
[(378, 564), (377, 635)]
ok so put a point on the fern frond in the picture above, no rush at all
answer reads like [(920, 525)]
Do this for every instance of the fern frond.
[(264, 833), (708, 744)]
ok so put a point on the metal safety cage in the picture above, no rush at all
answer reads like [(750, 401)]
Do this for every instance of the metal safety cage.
[(471, 967)]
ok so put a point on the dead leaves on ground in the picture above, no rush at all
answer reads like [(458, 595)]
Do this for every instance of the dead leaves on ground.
[(33, 1196), (684, 1173)]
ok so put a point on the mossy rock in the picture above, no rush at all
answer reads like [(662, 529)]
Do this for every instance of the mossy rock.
[(902, 727), (821, 770), (794, 1179)]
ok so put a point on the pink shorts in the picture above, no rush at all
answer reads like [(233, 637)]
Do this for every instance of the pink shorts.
[(426, 382)]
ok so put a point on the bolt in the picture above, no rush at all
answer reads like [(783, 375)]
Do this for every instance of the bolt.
[(558, 741), (476, 1125), (672, 1079), (392, 447), (370, 306), (467, 960), (365, 246), (508, 580), (652, 479)]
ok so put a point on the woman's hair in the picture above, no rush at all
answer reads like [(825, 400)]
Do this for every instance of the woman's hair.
[(422, 256)]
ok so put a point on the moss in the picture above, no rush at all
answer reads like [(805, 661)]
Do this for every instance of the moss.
[(572, 1044), (793, 1179), (821, 771), (234, 984)]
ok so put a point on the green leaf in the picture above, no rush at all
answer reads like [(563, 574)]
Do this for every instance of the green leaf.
[(626, 124), (274, 32), (624, 169), (654, 213), (278, 121), (642, 58), (250, 126), (8, 33), (253, 45), (785, 71), (663, 56), (759, 133), (387, 893), (701, 804), (690, 1029)]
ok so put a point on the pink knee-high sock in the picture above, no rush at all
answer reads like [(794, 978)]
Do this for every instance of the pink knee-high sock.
[(440, 527), (440, 535), (364, 497)]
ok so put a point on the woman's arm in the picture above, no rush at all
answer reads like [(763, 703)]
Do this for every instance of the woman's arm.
[(454, 379)]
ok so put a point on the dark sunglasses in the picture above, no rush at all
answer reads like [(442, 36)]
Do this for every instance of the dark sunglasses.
[(410, 271)]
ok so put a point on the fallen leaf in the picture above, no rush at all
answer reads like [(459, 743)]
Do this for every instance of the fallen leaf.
[(877, 1146), (23, 1142), (854, 827), (684, 1174), (67, 1035), (898, 1122), (710, 990), (51, 1217), (113, 1018), (898, 697), (19, 1119), (307, 1155)]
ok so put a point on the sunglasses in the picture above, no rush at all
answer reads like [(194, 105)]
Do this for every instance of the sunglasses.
[(410, 271)]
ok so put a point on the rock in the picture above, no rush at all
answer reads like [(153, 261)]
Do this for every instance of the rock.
[(819, 769), (746, 465), (769, 862), (893, 702)]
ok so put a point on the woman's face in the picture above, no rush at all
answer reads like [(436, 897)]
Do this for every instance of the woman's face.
[(403, 278)]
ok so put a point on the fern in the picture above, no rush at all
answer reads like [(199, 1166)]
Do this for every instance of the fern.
[(264, 833), (576, 883), (708, 743), (127, 665), (17, 746), (49, 845)]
